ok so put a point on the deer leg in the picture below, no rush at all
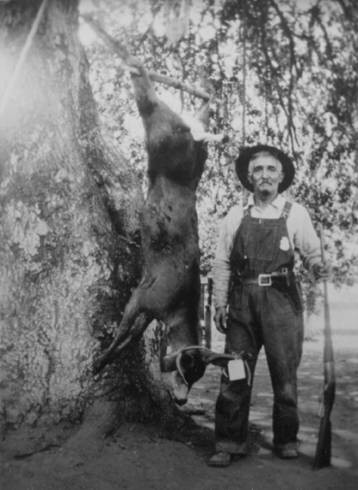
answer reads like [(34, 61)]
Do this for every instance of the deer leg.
[(126, 330), (140, 325)]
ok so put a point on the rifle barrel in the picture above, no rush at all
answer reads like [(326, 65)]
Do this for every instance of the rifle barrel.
[(323, 449)]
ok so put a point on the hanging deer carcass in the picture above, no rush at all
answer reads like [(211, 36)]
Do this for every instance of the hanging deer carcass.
[(169, 290)]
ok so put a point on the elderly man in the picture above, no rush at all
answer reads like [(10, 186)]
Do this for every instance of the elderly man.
[(255, 256)]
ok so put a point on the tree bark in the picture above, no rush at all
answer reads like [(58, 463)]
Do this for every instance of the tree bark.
[(69, 222)]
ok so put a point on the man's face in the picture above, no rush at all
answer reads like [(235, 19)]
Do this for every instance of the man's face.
[(265, 174)]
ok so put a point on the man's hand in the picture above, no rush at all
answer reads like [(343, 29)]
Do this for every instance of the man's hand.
[(220, 319), (321, 271)]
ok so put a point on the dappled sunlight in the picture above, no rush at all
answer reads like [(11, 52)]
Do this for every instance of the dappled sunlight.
[(7, 66), (22, 97), (134, 126)]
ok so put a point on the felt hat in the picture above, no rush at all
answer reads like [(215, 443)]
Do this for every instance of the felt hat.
[(243, 160)]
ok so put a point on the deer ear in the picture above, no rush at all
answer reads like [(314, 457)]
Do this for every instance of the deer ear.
[(171, 361), (210, 357)]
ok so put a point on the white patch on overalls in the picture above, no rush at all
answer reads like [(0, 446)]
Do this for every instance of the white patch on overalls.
[(284, 244)]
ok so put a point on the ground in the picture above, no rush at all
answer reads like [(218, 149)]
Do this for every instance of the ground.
[(141, 457)]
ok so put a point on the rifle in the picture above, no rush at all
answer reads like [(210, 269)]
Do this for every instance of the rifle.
[(323, 449)]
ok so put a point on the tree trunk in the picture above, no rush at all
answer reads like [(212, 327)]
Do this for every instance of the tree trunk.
[(69, 249)]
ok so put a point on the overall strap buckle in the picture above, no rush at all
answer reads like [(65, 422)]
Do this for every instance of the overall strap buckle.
[(265, 280)]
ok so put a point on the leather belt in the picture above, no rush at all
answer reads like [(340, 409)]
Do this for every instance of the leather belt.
[(265, 280)]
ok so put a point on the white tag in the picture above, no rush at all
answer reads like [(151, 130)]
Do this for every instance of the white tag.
[(236, 369)]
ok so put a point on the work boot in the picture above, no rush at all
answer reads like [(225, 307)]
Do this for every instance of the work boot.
[(220, 459)]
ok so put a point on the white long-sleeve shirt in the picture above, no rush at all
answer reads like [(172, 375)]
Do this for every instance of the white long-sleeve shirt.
[(300, 229)]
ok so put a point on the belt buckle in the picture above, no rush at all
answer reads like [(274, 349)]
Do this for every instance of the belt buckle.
[(265, 280)]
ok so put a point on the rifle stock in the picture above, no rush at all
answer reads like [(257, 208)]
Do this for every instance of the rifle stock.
[(323, 450)]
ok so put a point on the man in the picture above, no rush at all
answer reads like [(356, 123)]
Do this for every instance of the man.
[(255, 256)]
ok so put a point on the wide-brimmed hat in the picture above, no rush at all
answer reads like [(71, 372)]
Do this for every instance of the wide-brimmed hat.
[(243, 160)]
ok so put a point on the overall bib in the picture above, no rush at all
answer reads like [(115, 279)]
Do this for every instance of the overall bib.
[(268, 314)]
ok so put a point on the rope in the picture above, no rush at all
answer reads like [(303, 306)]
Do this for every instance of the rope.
[(13, 79)]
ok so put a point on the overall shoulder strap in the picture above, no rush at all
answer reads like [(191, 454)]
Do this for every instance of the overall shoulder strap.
[(286, 210), (245, 206), (246, 212)]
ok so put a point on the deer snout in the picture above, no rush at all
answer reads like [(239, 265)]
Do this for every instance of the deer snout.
[(180, 389)]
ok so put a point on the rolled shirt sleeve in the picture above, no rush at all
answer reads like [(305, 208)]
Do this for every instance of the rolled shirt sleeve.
[(304, 236), (221, 265)]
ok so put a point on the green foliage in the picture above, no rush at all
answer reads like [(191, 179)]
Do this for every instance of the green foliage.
[(281, 72)]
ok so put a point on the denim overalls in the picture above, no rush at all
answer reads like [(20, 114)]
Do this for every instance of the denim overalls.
[(269, 315)]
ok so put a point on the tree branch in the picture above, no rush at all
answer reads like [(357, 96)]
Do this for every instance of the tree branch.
[(329, 49), (287, 31), (346, 9), (124, 54), (292, 64)]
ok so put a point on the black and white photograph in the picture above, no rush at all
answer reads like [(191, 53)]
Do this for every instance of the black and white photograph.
[(178, 244)]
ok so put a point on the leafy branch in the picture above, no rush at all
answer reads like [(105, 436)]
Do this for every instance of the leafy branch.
[(123, 52)]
